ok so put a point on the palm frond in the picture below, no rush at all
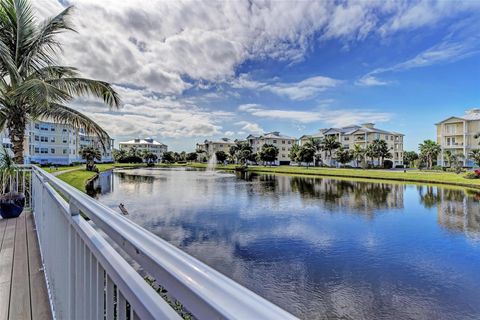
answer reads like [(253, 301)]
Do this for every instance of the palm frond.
[(40, 94), (54, 72), (66, 115), (43, 46), (88, 87)]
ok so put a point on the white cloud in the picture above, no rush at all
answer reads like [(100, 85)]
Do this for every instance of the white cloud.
[(333, 117), (300, 90), (249, 127), (370, 80), (145, 114), (168, 46), (462, 42)]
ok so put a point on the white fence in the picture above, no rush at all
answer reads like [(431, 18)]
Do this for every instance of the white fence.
[(88, 279)]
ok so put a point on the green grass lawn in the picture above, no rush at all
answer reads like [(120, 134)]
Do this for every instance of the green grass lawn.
[(409, 176), (80, 177)]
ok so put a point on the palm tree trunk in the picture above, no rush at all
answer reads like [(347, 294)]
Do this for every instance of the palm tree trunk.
[(16, 132)]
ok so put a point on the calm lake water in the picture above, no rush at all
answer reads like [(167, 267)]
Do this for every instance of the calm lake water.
[(319, 248)]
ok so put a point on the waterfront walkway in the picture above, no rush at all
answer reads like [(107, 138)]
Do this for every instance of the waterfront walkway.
[(23, 291)]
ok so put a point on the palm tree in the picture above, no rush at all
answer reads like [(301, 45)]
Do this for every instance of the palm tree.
[(381, 151), (358, 154), (330, 144), (449, 157), (344, 156), (371, 152), (90, 154), (475, 155), (293, 154), (32, 84), (316, 146), (429, 149), (150, 158)]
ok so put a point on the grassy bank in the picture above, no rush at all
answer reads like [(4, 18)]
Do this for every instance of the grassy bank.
[(409, 176), (79, 177)]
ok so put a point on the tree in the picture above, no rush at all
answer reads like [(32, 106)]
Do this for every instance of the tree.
[(221, 156), (192, 156), (358, 154), (268, 153), (150, 158), (429, 150), (475, 156), (293, 154), (241, 152), (316, 146), (168, 157), (90, 154), (409, 158), (306, 154), (381, 151), (449, 157), (344, 156), (371, 152), (32, 84), (119, 155), (329, 144)]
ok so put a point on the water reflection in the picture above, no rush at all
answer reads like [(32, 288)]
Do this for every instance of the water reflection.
[(320, 248)]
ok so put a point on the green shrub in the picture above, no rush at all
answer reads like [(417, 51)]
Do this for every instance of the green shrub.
[(470, 175)]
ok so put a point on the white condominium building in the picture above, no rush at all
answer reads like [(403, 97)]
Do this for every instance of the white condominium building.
[(147, 144), (362, 135), (457, 134), (54, 143), (282, 142), (209, 147)]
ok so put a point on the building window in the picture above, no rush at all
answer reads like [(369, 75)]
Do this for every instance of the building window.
[(43, 150), (37, 138), (44, 139), (274, 141), (52, 150), (64, 140), (64, 130), (346, 138), (52, 139), (37, 150), (37, 126), (289, 142), (52, 129), (65, 151), (283, 149), (450, 129), (283, 141)]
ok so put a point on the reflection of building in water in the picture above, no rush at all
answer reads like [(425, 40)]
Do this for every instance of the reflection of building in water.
[(335, 195), (459, 211)]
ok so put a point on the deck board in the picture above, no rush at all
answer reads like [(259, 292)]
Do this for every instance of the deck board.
[(23, 291)]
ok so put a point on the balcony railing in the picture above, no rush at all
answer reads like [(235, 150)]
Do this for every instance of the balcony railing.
[(88, 278)]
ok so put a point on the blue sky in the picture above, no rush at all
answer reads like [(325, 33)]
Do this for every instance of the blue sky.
[(188, 71)]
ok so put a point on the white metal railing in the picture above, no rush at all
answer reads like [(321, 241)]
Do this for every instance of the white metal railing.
[(88, 279)]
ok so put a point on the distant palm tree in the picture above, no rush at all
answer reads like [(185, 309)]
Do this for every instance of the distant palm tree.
[(475, 155), (382, 151), (449, 157), (316, 146), (90, 154), (358, 154), (330, 144), (429, 150), (32, 84)]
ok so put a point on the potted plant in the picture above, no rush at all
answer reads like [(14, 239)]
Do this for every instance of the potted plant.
[(12, 202)]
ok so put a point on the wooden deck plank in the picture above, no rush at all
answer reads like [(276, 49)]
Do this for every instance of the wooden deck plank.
[(6, 265), (39, 294), (20, 291), (3, 226)]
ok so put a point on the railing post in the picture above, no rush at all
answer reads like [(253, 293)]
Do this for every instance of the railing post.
[(72, 261)]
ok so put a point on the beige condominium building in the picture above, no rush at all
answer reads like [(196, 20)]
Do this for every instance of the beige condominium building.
[(147, 144), (282, 142), (457, 134), (209, 147), (53, 143), (362, 135)]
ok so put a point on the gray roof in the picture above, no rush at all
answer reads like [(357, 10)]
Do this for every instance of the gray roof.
[(276, 135), (472, 114)]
